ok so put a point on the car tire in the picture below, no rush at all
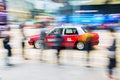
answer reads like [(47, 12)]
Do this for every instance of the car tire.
[(80, 46), (37, 44)]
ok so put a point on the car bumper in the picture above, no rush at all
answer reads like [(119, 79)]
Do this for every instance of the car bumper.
[(95, 42), (30, 42)]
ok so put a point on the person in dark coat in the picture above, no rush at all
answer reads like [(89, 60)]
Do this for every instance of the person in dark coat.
[(88, 45), (112, 55), (43, 44), (42, 27), (58, 44), (42, 37), (7, 46), (88, 48), (23, 40)]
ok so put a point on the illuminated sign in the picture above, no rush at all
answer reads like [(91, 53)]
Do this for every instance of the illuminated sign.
[(1, 7)]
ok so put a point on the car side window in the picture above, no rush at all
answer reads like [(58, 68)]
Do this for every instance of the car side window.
[(55, 31), (71, 31), (75, 31)]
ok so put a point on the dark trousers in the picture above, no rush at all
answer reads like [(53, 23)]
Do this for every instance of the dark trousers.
[(9, 53), (58, 53), (23, 46), (111, 66), (58, 48)]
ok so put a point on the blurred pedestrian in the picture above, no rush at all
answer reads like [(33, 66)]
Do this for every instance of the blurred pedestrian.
[(88, 44), (112, 55), (7, 46), (58, 44), (22, 29), (42, 42), (23, 40), (23, 49), (42, 39), (88, 47)]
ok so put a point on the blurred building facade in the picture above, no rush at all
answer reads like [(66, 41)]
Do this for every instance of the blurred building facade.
[(85, 10), (93, 2), (103, 6), (19, 10), (88, 2)]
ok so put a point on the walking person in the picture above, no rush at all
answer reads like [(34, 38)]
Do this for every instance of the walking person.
[(23, 49), (23, 41), (89, 47), (112, 55), (42, 40), (58, 45), (7, 46)]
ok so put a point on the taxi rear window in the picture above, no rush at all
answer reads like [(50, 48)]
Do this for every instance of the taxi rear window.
[(70, 31)]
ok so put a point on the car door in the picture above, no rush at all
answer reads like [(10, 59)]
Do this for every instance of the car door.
[(50, 38), (70, 36)]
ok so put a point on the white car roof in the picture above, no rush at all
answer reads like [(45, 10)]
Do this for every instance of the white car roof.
[(79, 27), (69, 26)]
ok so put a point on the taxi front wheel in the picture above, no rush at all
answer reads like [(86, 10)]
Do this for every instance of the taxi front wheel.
[(38, 44), (80, 45)]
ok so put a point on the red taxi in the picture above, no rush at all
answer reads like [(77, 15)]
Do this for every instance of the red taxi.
[(73, 36)]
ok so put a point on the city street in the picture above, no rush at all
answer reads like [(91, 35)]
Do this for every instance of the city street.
[(89, 31), (72, 67)]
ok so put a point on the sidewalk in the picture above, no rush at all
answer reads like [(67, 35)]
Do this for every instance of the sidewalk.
[(34, 70), (73, 68)]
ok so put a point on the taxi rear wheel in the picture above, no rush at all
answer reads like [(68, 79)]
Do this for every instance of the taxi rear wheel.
[(80, 45)]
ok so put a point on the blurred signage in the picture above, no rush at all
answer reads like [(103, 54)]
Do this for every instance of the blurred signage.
[(85, 11), (87, 19), (4, 28), (3, 16), (2, 7), (115, 15), (93, 2)]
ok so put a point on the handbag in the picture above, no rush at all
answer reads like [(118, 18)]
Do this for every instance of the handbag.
[(111, 48)]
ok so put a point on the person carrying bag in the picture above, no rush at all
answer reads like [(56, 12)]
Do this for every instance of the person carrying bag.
[(112, 56)]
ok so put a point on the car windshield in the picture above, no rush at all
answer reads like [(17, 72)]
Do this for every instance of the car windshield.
[(84, 29)]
